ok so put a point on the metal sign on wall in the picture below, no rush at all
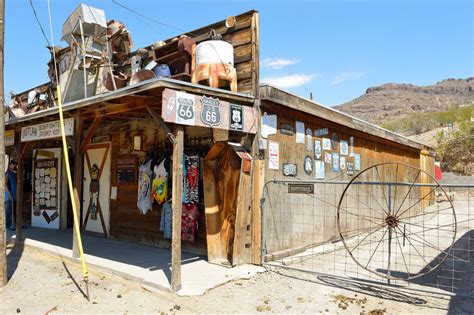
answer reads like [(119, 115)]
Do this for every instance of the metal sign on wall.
[(47, 130), (205, 111), (9, 137)]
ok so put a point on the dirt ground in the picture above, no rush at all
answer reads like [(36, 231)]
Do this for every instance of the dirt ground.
[(42, 283)]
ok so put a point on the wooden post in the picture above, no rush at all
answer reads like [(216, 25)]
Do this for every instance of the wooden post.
[(19, 192), (177, 208), (3, 232), (78, 165)]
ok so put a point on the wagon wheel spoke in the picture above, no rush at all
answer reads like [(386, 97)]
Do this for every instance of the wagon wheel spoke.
[(364, 217), (382, 187), (375, 199), (416, 249), (419, 200), (401, 252), (365, 237), (408, 193), (375, 250), (426, 213)]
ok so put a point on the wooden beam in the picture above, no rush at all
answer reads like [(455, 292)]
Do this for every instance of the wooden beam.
[(78, 169), (23, 149), (177, 208), (157, 118), (257, 188), (3, 235), (90, 132)]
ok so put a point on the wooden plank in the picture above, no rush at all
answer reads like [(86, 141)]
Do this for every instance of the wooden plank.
[(228, 187), (243, 58), (239, 38), (177, 208), (215, 251), (244, 70), (90, 132), (255, 54), (242, 21), (258, 181), (242, 253)]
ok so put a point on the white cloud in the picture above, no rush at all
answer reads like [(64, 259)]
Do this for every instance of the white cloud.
[(346, 76), (278, 63), (288, 81)]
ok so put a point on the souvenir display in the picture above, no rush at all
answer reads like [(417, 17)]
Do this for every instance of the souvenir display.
[(309, 140), (335, 162), (334, 141), (289, 169), (273, 155), (327, 157), (343, 162), (319, 166), (350, 168), (344, 148), (356, 162), (326, 144), (300, 132), (317, 149), (308, 165), (351, 146), (44, 188)]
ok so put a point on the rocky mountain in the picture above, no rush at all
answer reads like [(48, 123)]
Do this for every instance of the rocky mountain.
[(385, 102)]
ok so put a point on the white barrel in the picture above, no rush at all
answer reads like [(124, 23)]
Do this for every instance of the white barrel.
[(214, 52)]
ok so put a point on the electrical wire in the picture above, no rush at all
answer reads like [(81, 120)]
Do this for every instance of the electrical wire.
[(85, 273), (39, 23), (149, 19)]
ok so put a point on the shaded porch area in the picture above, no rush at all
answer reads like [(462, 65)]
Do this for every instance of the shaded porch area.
[(144, 264)]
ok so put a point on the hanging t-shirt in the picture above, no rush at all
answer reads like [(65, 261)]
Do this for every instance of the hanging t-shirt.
[(185, 159), (166, 224), (159, 188), (144, 188), (189, 222), (192, 179)]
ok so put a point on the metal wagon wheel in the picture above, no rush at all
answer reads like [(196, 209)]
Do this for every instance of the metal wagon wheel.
[(396, 221)]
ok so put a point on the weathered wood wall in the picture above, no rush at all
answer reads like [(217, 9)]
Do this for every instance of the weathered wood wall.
[(296, 221), (126, 221)]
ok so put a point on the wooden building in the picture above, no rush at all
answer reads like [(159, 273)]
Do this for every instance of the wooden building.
[(304, 134), (113, 135), (163, 121)]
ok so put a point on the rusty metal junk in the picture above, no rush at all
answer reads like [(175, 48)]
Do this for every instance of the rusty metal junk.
[(99, 59)]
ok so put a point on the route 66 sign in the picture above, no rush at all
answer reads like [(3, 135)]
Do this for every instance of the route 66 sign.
[(211, 111), (185, 109)]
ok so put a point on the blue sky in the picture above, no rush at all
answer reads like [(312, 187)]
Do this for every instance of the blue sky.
[(334, 49)]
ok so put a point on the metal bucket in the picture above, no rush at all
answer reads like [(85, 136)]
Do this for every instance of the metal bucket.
[(142, 75)]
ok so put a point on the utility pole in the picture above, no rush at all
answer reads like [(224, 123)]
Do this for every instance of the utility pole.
[(3, 232)]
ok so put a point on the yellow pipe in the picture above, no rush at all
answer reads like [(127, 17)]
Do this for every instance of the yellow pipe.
[(71, 189)]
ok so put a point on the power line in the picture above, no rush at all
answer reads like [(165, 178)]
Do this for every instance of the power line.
[(148, 18), (39, 23)]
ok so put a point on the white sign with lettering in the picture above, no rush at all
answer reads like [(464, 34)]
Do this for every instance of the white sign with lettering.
[(47, 130)]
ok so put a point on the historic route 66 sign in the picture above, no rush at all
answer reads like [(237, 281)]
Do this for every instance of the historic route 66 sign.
[(184, 109), (236, 117), (211, 111)]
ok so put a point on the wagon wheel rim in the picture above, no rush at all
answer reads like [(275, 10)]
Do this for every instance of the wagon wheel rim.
[(391, 221)]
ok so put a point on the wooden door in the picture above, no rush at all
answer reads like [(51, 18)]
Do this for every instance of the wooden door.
[(96, 189)]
